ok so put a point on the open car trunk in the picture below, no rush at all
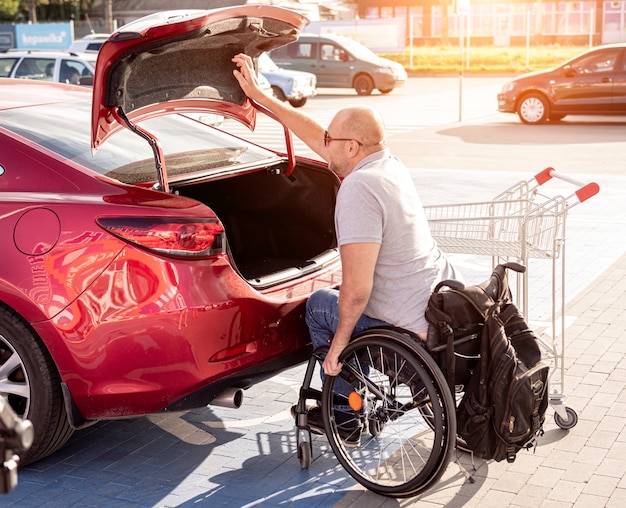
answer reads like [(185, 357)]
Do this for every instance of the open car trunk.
[(279, 219), (277, 227)]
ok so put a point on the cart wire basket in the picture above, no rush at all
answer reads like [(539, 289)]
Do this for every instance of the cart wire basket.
[(519, 224)]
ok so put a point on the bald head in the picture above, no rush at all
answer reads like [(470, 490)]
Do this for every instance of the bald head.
[(364, 124)]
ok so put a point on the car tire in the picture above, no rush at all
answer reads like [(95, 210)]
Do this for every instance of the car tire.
[(298, 103), (385, 90), (363, 84), (533, 109), (31, 384), (278, 93)]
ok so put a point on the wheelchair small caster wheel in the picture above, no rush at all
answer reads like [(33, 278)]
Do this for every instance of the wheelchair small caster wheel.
[(569, 422), (375, 426), (304, 454)]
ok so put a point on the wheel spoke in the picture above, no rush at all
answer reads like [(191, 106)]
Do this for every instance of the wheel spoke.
[(20, 389), (10, 366), (9, 387)]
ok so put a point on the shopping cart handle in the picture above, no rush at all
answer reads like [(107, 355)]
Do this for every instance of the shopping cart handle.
[(586, 190)]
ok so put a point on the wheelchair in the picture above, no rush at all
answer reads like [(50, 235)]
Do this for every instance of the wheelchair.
[(400, 402)]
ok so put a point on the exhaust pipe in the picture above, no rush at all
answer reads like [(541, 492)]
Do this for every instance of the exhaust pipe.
[(231, 397)]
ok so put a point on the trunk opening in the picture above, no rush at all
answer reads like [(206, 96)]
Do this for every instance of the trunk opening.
[(277, 227)]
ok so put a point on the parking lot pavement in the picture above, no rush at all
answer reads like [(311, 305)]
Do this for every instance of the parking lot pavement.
[(247, 457), (211, 457)]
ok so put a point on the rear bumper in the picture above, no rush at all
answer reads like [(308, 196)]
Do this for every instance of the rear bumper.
[(207, 330)]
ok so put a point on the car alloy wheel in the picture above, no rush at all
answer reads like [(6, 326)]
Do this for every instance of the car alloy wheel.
[(30, 383), (533, 109)]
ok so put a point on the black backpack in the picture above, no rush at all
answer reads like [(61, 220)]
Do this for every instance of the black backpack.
[(485, 348)]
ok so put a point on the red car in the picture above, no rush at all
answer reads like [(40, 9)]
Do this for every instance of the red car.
[(151, 262)]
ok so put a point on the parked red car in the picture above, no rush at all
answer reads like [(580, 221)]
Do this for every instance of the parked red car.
[(152, 262)]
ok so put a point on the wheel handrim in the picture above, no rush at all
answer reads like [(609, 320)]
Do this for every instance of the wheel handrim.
[(409, 452)]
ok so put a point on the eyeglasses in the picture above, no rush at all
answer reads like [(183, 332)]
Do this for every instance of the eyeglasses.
[(328, 139)]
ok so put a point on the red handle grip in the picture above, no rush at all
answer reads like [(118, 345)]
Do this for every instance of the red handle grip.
[(544, 176), (589, 190)]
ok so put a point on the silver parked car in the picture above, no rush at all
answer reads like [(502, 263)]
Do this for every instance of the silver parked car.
[(58, 66)]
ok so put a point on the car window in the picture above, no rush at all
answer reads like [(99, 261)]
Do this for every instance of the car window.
[(6, 66), (332, 52), (94, 46), (72, 71), (190, 146), (304, 50), (603, 61), (300, 50), (35, 68)]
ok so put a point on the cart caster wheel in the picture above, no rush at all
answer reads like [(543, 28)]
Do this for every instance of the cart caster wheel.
[(304, 454), (570, 422)]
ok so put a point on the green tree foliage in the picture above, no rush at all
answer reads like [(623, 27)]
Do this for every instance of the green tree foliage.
[(44, 10), (9, 10)]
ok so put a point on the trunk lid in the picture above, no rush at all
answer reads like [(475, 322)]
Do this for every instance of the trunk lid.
[(180, 61)]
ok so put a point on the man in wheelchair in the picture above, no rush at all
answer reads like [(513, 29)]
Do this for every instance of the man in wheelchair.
[(389, 258)]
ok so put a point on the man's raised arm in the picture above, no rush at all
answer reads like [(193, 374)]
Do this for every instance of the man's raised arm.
[(303, 126)]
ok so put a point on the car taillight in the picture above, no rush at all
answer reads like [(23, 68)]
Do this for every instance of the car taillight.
[(170, 236)]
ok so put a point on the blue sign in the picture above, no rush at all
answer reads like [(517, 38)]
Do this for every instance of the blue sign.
[(7, 37), (56, 36)]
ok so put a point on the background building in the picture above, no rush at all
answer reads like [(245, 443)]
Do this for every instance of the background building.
[(506, 22), (499, 22)]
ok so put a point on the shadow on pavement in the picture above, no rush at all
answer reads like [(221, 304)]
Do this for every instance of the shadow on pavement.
[(564, 132), (274, 478), (208, 457), (135, 461)]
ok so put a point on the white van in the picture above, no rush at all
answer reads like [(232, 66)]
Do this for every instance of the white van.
[(89, 44)]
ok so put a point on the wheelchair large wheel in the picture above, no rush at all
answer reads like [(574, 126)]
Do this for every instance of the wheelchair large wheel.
[(395, 388)]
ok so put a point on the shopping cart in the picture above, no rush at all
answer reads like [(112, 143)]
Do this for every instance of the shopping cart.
[(519, 224)]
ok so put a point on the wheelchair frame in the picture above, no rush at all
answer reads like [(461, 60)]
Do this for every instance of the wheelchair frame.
[(401, 401)]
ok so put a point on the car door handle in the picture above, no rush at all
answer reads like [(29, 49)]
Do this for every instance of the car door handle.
[(606, 80)]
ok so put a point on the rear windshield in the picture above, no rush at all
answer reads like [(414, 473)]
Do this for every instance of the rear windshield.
[(190, 146)]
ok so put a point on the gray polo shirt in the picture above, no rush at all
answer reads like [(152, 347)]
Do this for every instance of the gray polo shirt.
[(378, 203)]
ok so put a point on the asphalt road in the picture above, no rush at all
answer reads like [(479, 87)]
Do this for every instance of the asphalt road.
[(453, 123), (448, 131)]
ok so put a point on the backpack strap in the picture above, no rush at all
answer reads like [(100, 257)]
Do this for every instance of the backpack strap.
[(441, 320), (506, 313)]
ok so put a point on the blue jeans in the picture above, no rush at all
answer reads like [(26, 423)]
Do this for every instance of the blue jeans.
[(322, 317)]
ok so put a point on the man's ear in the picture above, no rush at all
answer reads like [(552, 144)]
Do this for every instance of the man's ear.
[(354, 147)]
